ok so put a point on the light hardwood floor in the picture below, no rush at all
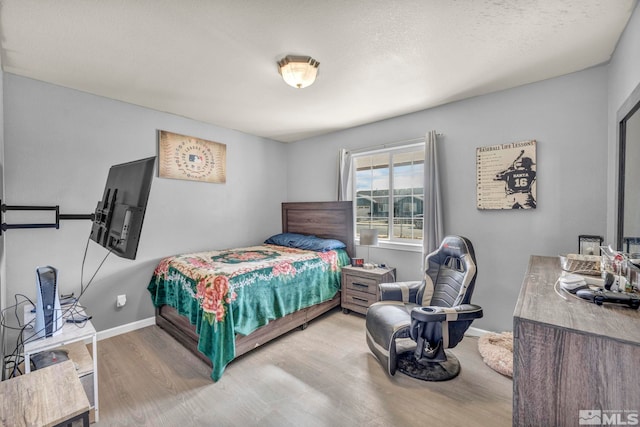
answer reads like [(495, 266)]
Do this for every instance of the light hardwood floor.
[(321, 376)]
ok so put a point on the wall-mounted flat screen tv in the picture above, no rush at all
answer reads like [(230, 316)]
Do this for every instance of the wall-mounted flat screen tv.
[(118, 218)]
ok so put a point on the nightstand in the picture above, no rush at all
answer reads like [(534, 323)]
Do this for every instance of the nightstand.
[(360, 287)]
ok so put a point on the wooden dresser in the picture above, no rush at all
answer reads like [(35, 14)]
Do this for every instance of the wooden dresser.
[(573, 360)]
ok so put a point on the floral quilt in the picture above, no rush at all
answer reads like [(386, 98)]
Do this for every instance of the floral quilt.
[(236, 291)]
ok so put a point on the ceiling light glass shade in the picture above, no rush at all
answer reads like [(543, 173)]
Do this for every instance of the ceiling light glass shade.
[(298, 71)]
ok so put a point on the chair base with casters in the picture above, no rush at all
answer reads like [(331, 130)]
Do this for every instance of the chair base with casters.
[(431, 315)]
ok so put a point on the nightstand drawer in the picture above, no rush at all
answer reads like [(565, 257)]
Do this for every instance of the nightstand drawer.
[(362, 284), (360, 299), (360, 287)]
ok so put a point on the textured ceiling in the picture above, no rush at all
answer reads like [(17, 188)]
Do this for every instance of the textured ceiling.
[(215, 61)]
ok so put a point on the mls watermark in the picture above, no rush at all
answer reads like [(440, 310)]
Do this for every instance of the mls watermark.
[(603, 417)]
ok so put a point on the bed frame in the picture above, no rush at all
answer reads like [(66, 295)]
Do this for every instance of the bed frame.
[(332, 220)]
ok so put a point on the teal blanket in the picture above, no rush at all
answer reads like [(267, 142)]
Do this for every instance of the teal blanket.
[(236, 291)]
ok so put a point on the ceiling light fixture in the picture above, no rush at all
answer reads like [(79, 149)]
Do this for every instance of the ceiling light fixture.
[(298, 71)]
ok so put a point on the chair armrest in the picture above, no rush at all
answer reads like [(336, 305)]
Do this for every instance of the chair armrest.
[(399, 291), (451, 314)]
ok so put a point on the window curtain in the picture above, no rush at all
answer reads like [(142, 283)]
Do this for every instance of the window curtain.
[(345, 192), (433, 226)]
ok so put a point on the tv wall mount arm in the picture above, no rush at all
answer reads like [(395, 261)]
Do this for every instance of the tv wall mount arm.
[(4, 208)]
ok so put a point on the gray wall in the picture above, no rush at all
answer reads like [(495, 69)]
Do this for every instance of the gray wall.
[(59, 145), (566, 115)]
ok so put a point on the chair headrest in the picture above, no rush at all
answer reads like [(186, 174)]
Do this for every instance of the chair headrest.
[(454, 288), (456, 246)]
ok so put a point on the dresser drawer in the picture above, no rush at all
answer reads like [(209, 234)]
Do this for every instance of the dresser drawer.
[(362, 284)]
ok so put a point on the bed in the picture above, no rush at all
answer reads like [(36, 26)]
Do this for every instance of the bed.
[(229, 320)]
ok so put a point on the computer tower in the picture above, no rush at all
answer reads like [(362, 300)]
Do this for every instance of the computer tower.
[(48, 311)]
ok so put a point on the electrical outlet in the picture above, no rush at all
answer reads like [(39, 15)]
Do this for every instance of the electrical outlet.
[(121, 300)]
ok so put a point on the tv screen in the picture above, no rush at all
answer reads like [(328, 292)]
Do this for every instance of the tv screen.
[(120, 213)]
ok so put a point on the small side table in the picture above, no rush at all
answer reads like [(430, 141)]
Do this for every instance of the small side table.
[(51, 396), (72, 338), (360, 287)]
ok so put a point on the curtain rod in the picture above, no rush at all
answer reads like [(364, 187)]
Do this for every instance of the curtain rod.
[(390, 144)]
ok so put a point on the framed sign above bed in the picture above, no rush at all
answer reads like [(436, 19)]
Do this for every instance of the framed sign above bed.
[(186, 157)]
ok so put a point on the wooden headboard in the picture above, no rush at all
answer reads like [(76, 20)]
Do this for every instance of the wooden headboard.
[(329, 220)]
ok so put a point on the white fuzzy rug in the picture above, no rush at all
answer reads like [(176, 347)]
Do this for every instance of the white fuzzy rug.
[(497, 352)]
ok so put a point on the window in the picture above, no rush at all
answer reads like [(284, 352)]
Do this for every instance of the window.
[(389, 193)]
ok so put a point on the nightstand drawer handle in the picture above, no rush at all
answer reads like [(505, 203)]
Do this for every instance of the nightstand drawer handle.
[(363, 285), (359, 299)]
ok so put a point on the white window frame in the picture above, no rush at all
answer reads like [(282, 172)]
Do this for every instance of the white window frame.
[(391, 242)]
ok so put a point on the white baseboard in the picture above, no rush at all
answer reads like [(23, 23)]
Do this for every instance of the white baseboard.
[(123, 329), (475, 332)]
